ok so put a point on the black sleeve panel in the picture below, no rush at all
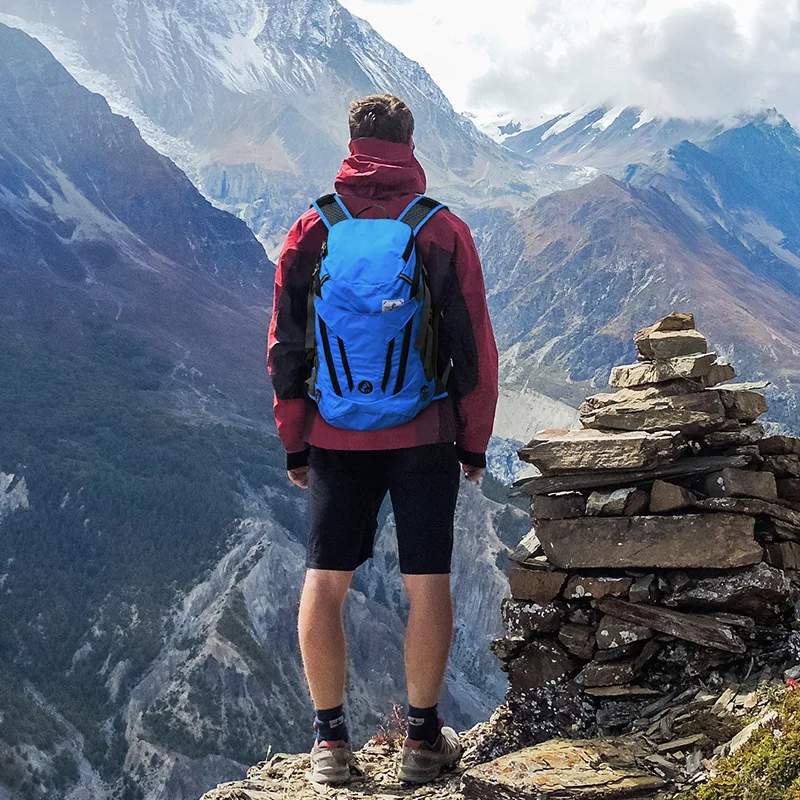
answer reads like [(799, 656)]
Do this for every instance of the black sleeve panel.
[(289, 364)]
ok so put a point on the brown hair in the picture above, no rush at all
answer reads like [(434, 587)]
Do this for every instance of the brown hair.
[(381, 116)]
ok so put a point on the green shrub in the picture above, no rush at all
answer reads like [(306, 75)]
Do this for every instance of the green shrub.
[(767, 767)]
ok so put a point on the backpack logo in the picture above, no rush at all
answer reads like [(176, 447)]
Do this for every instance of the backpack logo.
[(391, 305), (365, 387)]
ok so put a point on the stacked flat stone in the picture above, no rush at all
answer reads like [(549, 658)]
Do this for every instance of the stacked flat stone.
[(666, 541)]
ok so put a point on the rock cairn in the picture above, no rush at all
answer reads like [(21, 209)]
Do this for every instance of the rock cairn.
[(666, 545)]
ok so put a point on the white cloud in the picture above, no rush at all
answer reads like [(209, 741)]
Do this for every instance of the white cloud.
[(536, 57)]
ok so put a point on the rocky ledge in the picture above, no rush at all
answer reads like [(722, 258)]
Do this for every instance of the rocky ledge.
[(660, 761)]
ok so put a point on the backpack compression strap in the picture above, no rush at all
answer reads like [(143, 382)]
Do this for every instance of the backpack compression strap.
[(416, 214), (331, 210)]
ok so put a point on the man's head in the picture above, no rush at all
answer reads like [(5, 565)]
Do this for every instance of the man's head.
[(381, 116)]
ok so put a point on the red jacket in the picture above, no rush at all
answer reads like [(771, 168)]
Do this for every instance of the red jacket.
[(389, 172)]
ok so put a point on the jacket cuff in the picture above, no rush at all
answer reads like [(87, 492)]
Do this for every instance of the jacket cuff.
[(297, 460), (471, 459)]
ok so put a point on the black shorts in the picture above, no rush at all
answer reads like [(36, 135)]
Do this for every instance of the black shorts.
[(346, 489)]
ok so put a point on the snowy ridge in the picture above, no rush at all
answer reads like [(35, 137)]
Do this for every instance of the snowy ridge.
[(502, 124), (611, 137), (68, 53), (564, 122), (609, 117)]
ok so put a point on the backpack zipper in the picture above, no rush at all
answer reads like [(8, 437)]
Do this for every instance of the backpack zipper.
[(345, 364), (388, 368), (401, 370), (326, 347)]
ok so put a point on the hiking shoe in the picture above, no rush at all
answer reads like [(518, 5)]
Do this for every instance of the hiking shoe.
[(333, 762), (421, 762)]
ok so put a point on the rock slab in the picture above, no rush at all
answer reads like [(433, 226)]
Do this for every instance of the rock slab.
[(596, 769), (579, 586), (660, 371), (660, 345), (540, 663), (558, 506), (705, 631), (544, 484), (742, 483), (538, 586), (760, 592), (689, 541), (525, 618), (695, 413), (572, 450), (666, 497)]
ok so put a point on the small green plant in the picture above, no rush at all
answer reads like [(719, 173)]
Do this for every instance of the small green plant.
[(771, 691)]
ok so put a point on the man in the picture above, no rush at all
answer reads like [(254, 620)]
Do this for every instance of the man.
[(348, 473)]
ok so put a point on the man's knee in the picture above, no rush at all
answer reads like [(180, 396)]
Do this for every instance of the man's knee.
[(427, 589), (326, 587)]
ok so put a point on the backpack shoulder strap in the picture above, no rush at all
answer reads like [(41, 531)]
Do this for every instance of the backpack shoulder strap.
[(331, 210), (419, 211)]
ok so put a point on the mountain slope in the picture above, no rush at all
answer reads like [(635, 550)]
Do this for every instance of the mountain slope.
[(259, 89), (586, 266), (116, 275), (743, 187), (100, 230)]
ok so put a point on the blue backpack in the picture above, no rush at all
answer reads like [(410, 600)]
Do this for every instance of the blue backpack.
[(372, 330)]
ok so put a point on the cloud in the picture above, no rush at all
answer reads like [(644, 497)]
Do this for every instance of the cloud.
[(706, 59)]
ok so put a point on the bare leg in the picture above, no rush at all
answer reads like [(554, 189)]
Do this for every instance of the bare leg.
[(428, 637), (321, 632)]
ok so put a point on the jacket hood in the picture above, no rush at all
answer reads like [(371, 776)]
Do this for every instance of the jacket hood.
[(379, 169)]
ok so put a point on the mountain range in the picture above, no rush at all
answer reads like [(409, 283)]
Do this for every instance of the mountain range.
[(707, 224), (152, 547), (152, 550), (608, 138), (251, 97)]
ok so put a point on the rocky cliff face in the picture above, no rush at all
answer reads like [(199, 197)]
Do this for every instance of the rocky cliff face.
[(13, 494)]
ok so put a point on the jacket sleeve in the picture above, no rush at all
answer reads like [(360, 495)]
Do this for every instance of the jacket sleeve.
[(470, 340), (287, 363)]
